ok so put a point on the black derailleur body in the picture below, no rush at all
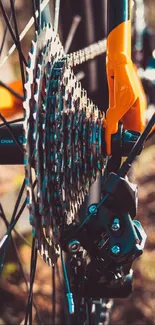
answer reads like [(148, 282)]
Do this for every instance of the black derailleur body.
[(112, 239)]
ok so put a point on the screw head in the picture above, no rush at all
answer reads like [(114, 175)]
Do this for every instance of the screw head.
[(115, 249), (92, 208), (116, 225), (74, 246)]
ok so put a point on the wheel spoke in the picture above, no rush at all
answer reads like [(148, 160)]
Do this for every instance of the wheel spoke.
[(18, 257), (11, 132), (92, 66), (12, 91), (5, 33), (56, 17), (25, 278), (36, 4), (39, 12), (11, 30), (12, 220), (53, 294), (20, 54), (34, 9), (13, 121), (24, 32), (18, 201), (28, 315), (12, 225), (3, 216), (72, 31)]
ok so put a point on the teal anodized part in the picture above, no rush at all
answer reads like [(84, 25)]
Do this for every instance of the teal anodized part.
[(34, 232), (31, 218), (92, 208), (115, 249), (25, 160), (26, 181)]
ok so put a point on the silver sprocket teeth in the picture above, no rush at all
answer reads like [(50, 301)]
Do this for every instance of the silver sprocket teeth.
[(63, 131)]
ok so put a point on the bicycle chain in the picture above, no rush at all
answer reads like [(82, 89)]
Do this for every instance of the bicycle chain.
[(88, 53), (63, 140)]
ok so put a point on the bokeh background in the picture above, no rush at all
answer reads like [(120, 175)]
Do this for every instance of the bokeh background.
[(138, 309)]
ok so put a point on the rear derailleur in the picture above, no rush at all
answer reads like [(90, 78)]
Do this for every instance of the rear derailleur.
[(104, 246)]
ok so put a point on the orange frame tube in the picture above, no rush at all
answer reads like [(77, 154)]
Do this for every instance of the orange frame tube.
[(127, 101)]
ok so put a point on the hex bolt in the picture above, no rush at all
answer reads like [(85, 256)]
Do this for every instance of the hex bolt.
[(116, 225), (74, 246), (92, 208), (115, 249)]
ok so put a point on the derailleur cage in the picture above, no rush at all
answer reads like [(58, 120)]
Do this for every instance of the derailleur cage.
[(111, 237)]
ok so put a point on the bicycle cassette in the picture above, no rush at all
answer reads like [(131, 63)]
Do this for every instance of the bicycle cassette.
[(63, 141)]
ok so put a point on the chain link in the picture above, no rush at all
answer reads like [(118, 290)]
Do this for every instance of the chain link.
[(88, 53)]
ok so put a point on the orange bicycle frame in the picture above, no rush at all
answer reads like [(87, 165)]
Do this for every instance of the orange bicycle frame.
[(127, 101)]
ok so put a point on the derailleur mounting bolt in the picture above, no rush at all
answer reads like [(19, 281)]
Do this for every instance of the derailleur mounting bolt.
[(74, 246), (116, 225), (115, 249), (92, 208)]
